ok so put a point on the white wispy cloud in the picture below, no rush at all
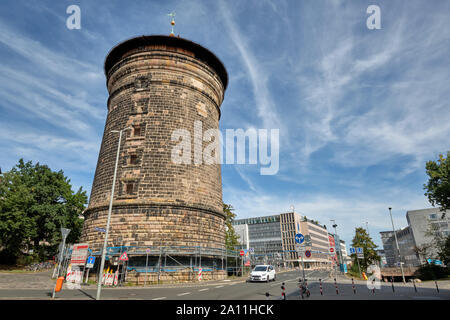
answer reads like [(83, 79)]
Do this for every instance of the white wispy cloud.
[(261, 93), (349, 212), (43, 58)]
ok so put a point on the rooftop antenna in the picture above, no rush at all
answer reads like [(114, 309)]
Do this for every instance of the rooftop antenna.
[(172, 15)]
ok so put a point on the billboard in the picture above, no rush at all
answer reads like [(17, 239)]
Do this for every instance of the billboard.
[(79, 254)]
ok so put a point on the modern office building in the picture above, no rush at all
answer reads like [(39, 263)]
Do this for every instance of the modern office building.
[(389, 247), (290, 226), (263, 235), (241, 231), (273, 239), (318, 233), (426, 225), (423, 226), (345, 257), (406, 245)]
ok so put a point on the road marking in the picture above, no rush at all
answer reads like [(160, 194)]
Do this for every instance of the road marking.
[(183, 294), (159, 298), (203, 289), (219, 287)]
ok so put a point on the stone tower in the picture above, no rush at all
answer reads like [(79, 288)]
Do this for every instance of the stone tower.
[(158, 84)]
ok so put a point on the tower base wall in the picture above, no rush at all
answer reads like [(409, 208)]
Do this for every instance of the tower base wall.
[(154, 225)]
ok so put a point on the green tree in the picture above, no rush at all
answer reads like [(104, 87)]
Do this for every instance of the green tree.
[(363, 240), (438, 187), (231, 238), (35, 202), (444, 251)]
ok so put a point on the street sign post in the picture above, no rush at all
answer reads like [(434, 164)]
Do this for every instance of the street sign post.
[(299, 238), (124, 256), (79, 254), (90, 262), (360, 253), (308, 253)]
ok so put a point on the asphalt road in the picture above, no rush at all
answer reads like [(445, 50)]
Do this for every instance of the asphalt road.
[(220, 290), (241, 290)]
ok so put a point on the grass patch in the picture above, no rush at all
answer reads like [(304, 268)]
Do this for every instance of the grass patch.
[(351, 274)]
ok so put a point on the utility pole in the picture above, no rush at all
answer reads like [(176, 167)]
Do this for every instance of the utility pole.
[(398, 249), (102, 264), (339, 253)]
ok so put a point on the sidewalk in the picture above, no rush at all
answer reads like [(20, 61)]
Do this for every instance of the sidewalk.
[(32, 280)]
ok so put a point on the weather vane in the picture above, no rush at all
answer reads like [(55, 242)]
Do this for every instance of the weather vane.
[(172, 14)]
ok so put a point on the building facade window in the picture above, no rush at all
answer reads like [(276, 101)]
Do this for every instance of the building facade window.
[(129, 188)]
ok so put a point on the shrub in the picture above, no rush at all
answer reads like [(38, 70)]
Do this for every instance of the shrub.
[(432, 272)]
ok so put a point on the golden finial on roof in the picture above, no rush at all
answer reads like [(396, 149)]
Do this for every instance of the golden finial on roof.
[(172, 14)]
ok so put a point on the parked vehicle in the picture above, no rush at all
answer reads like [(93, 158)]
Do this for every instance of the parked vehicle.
[(263, 273)]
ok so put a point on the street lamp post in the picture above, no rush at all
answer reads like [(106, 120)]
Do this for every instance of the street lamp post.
[(102, 264), (339, 246), (398, 249)]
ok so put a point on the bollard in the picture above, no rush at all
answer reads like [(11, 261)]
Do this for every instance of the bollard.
[(335, 284), (267, 295), (320, 283), (300, 286), (392, 282), (283, 294), (414, 283), (306, 288), (437, 288), (373, 286), (353, 286)]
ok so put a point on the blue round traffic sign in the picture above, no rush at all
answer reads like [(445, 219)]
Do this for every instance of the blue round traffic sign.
[(299, 238)]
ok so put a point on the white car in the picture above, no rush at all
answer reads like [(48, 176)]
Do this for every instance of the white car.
[(263, 273)]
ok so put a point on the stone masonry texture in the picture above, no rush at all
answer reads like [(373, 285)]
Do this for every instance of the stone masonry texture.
[(158, 84)]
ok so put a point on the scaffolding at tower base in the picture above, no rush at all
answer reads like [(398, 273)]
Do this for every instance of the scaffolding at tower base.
[(156, 264)]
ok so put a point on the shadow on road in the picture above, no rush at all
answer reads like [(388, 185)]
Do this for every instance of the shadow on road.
[(346, 291)]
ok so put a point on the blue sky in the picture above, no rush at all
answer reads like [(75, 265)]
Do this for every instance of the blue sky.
[(359, 111)]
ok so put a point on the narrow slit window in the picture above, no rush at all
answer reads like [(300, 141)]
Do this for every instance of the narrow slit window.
[(137, 131), (133, 159), (129, 188)]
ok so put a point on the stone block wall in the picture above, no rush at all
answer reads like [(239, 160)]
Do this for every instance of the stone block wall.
[(157, 85)]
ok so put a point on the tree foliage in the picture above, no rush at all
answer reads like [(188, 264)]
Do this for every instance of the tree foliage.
[(363, 240), (231, 238), (438, 186), (444, 251), (35, 202)]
